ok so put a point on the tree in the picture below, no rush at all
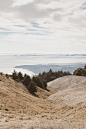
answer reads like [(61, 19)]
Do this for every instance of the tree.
[(34, 79), (45, 84), (32, 87), (52, 78), (20, 76), (39, 82), (15, 75), (26, 80)]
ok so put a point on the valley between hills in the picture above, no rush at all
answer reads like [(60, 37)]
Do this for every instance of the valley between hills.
[(62, 107)]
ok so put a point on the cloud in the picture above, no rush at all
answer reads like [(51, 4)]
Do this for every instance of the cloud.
[(57, 24), (21, 2), (6, 6)]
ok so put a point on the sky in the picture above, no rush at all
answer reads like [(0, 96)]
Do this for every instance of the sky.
[(43, 26)]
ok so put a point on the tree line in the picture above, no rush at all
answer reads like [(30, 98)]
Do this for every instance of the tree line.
[(42, 78), (30, 83), (39, 80), (51, 75)]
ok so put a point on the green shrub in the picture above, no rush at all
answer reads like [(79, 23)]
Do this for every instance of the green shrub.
[(80, 72), (20, 76), (26, 80), (15, 75), (32, 87), (45, 84)]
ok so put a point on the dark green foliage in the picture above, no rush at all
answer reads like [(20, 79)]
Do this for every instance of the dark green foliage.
[(80, 72), (15, 75), (26, 80), (34, 79), (52, 78), (49, 76), (45, 84), (25, 75), (32, 87), (20, 76), (40, 80)]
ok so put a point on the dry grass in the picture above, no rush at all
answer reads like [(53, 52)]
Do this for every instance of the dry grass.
[(20, 109)]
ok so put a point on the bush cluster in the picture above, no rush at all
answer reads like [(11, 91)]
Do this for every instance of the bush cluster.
[(80, 71), (49, 76)]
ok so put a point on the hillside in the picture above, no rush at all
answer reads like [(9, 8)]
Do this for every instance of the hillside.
[(71, 95), (70, 81), (20, 109), (70, 90)]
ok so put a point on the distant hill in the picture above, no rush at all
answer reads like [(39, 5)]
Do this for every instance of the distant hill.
[(65, 82), (70, 90)]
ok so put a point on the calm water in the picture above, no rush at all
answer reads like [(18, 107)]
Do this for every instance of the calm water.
[(33, 64)]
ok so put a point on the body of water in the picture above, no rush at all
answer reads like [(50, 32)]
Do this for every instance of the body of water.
[(34, 64)]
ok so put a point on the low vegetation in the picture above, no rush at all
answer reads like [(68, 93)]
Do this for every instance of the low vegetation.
[(42, 79), (80, 71), (39, 80), (49, 76)]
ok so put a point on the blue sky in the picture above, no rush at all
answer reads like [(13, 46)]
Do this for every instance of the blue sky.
[(43, 26)]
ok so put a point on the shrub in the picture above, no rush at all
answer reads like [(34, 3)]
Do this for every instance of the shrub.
[(20, 76), (80, 72), (32, 87), (15, 75), (39, 82), (45, 84), (26, 80)]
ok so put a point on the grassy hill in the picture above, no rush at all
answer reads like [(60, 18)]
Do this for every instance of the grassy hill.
[(21, 109)]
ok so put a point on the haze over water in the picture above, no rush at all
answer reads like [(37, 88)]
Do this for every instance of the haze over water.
[(34, 64)]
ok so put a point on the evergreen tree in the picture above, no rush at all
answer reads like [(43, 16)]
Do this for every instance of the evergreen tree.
[(45, 84), (26, 80), (32, 87), (20, 76), (39, 82), (15, 75)]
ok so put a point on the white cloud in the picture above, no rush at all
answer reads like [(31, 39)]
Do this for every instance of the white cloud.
[(21, 2), (60, 25)]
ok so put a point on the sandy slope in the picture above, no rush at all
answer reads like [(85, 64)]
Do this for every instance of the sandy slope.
[(71, 94), (21, 110), (66, 82), (70, 90)]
